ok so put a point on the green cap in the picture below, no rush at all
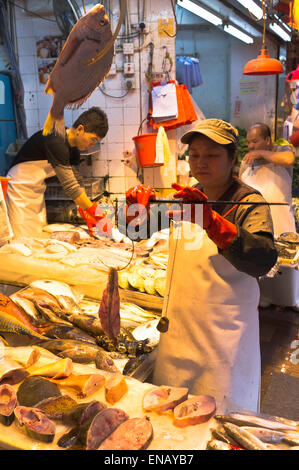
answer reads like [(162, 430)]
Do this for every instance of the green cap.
[(220, 131)]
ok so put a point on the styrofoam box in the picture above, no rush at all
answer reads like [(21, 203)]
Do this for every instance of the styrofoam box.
[(282, 289)]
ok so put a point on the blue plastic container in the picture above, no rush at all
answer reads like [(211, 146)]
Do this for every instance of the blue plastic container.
[(7, 121)]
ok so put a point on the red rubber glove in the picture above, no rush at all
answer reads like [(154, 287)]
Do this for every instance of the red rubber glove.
[(139, 196), (220, 231), (96, 218)]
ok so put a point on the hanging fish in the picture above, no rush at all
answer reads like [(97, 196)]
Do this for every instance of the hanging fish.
[(72, 80), (109, 311)]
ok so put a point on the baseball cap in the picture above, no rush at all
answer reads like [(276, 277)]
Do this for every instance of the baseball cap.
[(220, 131)]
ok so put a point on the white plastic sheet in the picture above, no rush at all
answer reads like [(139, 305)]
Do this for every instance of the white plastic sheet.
[(5, 227)]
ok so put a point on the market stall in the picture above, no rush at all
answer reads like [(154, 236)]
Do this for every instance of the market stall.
[(85, 261), (112, 344), (281, 287), (133, 364), (165, 434), (73, 406)]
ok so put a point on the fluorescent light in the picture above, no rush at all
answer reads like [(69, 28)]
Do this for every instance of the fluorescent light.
[(280, 32), (199, 11), (253, 8), (228, 28)]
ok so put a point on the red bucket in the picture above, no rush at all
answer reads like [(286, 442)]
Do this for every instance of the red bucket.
[(145, 145), (294, 139), (4, 182)]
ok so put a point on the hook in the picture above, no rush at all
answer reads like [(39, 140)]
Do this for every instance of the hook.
[(176, 23), (111, 42)]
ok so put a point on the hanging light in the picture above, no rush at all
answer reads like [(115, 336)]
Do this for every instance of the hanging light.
[(263, 65)]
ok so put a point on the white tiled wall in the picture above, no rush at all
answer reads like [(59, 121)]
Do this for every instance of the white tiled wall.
[(124, 114)]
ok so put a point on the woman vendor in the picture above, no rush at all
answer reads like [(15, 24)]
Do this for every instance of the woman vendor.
[(216, 254)]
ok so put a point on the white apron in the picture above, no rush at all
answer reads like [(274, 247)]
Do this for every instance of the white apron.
[(274, 182), (212, 344), (25, 197)]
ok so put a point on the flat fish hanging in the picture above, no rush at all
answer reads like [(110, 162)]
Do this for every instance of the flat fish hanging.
[(72, 80), (109, 311)]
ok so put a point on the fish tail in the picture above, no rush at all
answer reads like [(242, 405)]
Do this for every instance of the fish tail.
[(48, 89), (52, 124), (49, 124), (59, 127)]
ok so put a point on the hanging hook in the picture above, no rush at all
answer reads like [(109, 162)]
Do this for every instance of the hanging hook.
[(111, 42), (176, 23)]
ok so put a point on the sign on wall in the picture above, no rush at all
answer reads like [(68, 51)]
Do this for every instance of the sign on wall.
[(249, 87), (165, 27)]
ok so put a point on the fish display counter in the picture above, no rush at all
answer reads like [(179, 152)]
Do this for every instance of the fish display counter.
[(49, 403), (65, 384), (68, 254), (70, 326), (84, 409), (281, 285)]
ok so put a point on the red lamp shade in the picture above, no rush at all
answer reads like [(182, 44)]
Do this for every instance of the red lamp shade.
[(263, 65), (293, 76)]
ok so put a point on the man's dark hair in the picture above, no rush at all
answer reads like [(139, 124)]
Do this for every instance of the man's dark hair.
[(264, 129), (94, 120)]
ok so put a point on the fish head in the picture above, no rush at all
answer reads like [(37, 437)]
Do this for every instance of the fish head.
[(98, 19)]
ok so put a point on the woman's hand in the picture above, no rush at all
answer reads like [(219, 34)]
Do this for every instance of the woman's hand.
[(219, 230), (96, 218), (137, 199), (186, 193)]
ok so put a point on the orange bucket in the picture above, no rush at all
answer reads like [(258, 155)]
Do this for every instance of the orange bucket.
[(4, 182), (145, 145)]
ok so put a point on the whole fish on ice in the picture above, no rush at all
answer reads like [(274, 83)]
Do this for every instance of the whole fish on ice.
[(72, 80), (272, 422), (10, 324), (16, 311), (62, 292)]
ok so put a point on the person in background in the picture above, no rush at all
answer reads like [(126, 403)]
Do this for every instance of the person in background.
[(42, 157), (212, 294), (269, 169)]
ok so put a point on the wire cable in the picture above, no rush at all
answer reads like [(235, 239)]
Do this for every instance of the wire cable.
[(111, 96), (31, 12)]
